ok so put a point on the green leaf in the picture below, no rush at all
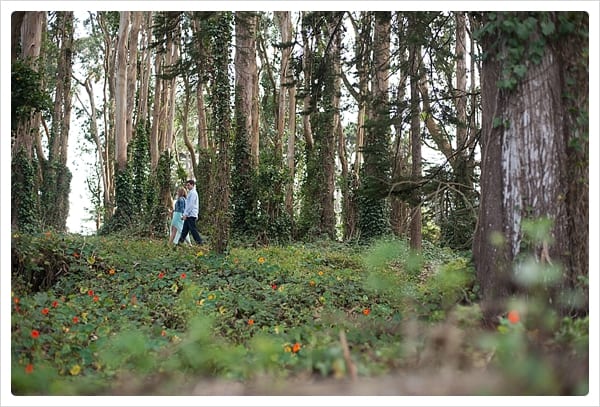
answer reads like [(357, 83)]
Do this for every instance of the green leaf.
[(548, 27), (520, 70)]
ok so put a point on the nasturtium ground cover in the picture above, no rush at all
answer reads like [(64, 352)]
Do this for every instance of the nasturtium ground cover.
[(87, 310)]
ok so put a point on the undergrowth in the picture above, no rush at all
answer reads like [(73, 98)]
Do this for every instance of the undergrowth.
[(88, 310)]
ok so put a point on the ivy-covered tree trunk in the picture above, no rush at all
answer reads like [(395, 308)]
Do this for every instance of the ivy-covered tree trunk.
[(373, 207), (28, 99), (318, 214), (123, 181), (399, 207), (415, 61), (55, 189), (534, 122), (221, 34), (243, 171)]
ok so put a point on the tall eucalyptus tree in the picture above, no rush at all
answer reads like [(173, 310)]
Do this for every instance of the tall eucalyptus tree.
[(244, 165), (28, 101), (221, 35), (374, 208), (56, 176)]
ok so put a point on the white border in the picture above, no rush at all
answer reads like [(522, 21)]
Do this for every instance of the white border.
[(592, 7)]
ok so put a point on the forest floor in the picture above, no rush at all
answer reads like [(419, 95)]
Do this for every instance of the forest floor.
[(114, 316)]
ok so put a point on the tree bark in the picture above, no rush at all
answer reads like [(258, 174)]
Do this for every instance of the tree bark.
[(526, 175), (415, 138), (121, 93)]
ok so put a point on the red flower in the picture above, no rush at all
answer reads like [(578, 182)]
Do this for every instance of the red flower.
[(274, 286), (366, 311), (29, 368), (90, 292), (55, 304), (35, 333), (161, 275), (16, 300), (45, 311), (513, 317), (296, 347), (183, 275), (75, 319), (250, 322), (96, 298), (76, 255)]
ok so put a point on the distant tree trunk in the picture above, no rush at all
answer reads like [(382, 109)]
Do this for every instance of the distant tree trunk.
[(56, 175), (331, 122), (415, 140), (374, 209), (363, 47), (308, 77), (121, 93), (288, 86), (222, 127), (108, 113), (400, 209), (31, 42), (528, 166), (243, 191), (145, 70), (132, 68), (24, 191)]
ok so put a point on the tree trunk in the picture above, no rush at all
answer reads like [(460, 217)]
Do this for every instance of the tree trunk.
[(222, 129), (121, 93), (285, 25), (415, 140), (56, 175), (526, 174), (243, 190)]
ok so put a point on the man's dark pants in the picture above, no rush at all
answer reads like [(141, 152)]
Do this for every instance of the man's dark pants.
[(189, 225)]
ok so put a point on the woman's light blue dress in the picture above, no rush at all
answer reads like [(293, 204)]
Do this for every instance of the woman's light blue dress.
[(177, 219)]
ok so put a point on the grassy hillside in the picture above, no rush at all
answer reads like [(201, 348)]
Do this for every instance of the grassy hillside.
[(109, 315)]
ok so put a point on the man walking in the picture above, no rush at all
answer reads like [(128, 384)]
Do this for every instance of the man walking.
[(190, 213)]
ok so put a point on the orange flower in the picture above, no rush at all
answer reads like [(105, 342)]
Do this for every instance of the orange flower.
[(513, 317), (48, 235), (163, 333), (96, 298), (366, 311), (35, 333), (250, 322), (54, 304), (296, 347), (75, 319), (312, 283), (45, 311), (76, 255), (29, 368), (16, 300), (111, 271)]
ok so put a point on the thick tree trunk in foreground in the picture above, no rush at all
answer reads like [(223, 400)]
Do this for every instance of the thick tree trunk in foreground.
[(526, 176)]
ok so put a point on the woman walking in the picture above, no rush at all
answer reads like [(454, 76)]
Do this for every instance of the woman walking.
[(177, 218)]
